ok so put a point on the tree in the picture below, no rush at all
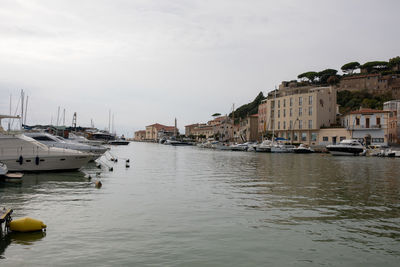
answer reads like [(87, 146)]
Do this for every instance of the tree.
[(349, 68), (333, 79), (325, 74), (310, 76), (375, 66), (393, 62), (216, 114)]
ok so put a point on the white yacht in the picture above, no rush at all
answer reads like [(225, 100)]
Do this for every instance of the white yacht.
[(239, 147), (21, 153), (282, 148), (57, 141), (348, 147), (265, 146), (303, 149), (3, 169)]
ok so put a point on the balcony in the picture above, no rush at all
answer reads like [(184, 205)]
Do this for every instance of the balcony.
[(363, 127)]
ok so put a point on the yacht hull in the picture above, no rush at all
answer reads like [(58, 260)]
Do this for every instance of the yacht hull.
[(343, 152), (43, 163)]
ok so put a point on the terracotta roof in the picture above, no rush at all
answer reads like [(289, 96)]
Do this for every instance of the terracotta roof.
[(254, 115), (141, 131), (368, 111), (192, 125)]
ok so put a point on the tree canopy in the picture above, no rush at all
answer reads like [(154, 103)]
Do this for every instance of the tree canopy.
[(248, 109), (350, 67), (353, 100), (394, 61), (375, 66), (310, 76), (324, 75), (216, 114)]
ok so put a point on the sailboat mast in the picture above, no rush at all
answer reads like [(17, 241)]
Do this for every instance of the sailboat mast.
[(9, 120), (22, 108), (26, 109), (109, 120)]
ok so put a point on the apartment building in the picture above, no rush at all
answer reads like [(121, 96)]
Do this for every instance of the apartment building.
[(394, 121), (140, 135), (248, 129), (296, 114)]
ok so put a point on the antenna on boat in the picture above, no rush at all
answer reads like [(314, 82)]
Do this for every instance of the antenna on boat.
[(64, 117), (9, 120), (74, 121)]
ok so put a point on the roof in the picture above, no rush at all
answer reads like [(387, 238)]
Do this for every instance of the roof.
[(254, 115), (192, 125), (368, 111)]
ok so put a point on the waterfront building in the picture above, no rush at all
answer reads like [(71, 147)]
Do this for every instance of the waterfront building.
[(262, 118), (332, 136), (394, 121), (203, 131), (140, 135), (298, 113), (369, 126), (189, 129), (248, 129), (156, 131)]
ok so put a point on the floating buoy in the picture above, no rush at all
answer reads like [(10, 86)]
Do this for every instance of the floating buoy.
[(37, 160), (20, 160), (111, 169), (98, 174), (98, 184), (115, 160), (127, 165), (127, 161), (27, 224)]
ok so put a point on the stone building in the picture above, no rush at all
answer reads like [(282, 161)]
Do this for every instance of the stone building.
[(140, 135), (394, 120), (154, 131)]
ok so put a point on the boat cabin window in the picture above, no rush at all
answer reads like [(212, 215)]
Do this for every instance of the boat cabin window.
[(43, 138)]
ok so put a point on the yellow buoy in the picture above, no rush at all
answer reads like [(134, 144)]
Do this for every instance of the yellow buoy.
[(27, 224)]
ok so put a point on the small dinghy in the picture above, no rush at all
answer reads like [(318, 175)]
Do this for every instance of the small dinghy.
[(9, 177)]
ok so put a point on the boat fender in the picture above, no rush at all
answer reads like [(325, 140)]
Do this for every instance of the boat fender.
[(127, 165), (127, 160), (115, 160), (98, 184), (27, 225), (20, 160), (37, 160)]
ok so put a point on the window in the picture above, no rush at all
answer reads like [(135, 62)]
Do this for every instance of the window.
[(300, 100), (325, 138), (291, 101), (378, 140), (310, 111), (284, 113), (313, 136), (279, 103), (300, 111), (295, 136), (279, 113), (284, 125), (284, 103), (291, 124), (303, 136), (310, 100), (279, 125), (290, 112), (310, 124), (300, 124), (357, 121), (378, 121)]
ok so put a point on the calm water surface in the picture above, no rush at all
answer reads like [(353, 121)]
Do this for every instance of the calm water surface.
[(184, 206)]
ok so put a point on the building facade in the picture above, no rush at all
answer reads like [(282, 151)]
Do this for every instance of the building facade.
[(368, 126), (297, 114), (394, 120), (248, 129), (140, 135), (154, 131)]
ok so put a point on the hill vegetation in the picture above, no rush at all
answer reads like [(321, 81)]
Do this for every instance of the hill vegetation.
[(248, 109), (349, 101)]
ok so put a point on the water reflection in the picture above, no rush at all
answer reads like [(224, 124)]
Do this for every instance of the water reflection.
[(24, 239)]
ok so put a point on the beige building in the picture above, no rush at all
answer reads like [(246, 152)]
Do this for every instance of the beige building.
[(189, 129), (262, 118), (297, 114), (331, 136), (154, 131), (394, 121), (203, 131), (140, 135)]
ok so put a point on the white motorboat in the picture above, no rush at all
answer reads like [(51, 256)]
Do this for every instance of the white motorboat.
[(239, 147), (21, 153), (282, 148), (303, 149), (3, 169), (57, 141), (265, 146), (348, 147)]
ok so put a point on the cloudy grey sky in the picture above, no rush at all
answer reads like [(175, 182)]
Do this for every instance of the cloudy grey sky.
[(154, 60)]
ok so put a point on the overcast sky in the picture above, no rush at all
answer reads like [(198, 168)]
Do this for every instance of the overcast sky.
[(151, 61)]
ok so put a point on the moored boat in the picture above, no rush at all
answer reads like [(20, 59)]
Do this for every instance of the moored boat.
[(347, 147), (303, 149)]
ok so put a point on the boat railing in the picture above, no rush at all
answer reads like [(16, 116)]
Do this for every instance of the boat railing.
[(34, 151)]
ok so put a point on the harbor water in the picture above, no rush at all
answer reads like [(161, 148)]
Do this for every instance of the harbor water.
[(186, 206)]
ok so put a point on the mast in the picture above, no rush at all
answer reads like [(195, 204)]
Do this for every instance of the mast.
[(58, 115), (273, 128), (175, 131), (9, 120), (64, 117), (109, 120), (26, 109), (22, 108)]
